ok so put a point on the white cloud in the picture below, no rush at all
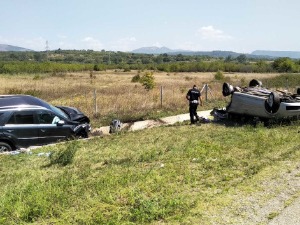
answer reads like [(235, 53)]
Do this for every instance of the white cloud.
[(4, 40), (37, 44), (61, 36), (123, 44), (211, 33), (132, 39), (157, 44), (92, 43)]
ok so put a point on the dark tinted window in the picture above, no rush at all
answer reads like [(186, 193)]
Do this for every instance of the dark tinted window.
[(21, 118), (45, 117)]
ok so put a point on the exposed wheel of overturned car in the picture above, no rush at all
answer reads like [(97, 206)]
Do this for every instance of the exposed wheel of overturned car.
[(273, 102), (254, 83), (4, 147), (227, 89)]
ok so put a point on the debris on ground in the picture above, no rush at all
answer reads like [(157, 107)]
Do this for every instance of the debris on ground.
[(219, 114), (115, 126)]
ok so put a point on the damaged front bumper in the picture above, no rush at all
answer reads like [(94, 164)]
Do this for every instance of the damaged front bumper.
[(82, 130)]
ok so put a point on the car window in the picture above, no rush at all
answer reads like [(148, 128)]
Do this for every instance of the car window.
[(24, 117), (59, 112), (45, 117)]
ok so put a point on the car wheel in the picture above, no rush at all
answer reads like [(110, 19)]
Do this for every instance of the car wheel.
[(298, 91), (254, 83), (273, 102), (82, 134), (4, 147), (227, 89)]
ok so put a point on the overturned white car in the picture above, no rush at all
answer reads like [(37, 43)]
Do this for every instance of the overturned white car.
[(265, 104)]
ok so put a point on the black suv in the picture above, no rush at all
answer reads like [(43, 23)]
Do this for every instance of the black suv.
[(26, 121)]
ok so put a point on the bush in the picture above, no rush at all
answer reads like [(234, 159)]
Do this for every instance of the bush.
[(136, 78), (219, 75), (64, 156), (148, 81), (127, 70)]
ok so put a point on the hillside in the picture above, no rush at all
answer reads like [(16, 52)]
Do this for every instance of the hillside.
[(217, 53), (257, 54), (265, 54), (7, 48), (162, 50), (290, 54)]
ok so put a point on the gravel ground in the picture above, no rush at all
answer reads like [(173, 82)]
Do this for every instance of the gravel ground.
[(289, 216), (275, 200)]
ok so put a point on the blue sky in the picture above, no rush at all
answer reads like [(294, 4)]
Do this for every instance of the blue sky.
[(123, 25)]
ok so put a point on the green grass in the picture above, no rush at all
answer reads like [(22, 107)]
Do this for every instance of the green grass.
[(164, 175), (283, 81)]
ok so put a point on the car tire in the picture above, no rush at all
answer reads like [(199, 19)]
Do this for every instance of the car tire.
[(298, 91), (254, 83), (82, 134), (227, 89), (4, 147), (273, 102)]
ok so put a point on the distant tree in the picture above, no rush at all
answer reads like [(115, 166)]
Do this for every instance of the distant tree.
[(284, 65), (228, 58), (261, 66), (166, 58), (158, 59), (179, 57), (242, 58)]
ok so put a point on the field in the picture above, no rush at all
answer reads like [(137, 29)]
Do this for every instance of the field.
[(104, 96), (216, 173), (209, 174)]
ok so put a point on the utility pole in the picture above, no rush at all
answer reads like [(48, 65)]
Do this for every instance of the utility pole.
[(47, 49)]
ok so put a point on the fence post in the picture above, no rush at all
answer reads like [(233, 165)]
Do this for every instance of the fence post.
[(161, 96), (95, 102), (206, 91), (287, 84)]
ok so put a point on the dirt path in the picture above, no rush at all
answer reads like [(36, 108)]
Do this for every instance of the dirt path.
[(290, 215), (275, 200)]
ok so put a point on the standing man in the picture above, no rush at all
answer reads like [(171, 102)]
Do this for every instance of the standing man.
[(194, 97)]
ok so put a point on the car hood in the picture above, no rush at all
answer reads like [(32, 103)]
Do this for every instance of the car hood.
[(74, 114)]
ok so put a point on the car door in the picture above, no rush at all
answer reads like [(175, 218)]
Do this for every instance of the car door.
[(51, 128), (22, 128)]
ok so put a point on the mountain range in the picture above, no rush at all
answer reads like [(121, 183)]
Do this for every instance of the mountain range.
[(218, 53), (164, 50), (11, 48)]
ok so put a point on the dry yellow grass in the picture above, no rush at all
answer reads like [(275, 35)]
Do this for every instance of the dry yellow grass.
[(116, 95)]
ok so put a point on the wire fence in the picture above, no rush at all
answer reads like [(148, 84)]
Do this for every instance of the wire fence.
[(133, 100)]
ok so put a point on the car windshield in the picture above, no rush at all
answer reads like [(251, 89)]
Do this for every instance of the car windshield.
[(59, 112)]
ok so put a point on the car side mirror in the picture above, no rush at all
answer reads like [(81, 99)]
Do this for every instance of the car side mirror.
[(60, 123)]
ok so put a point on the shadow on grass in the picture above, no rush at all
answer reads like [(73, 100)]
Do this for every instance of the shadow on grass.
[(256, 122)]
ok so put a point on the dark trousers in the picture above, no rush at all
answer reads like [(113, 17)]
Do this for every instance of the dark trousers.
[(193, 112)]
